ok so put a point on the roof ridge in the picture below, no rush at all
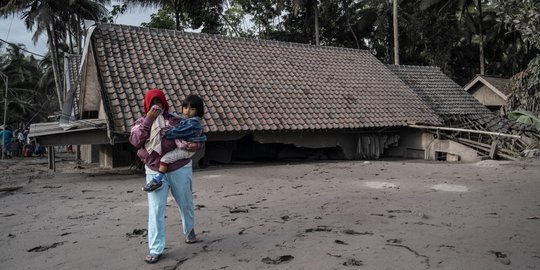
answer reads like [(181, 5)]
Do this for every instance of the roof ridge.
[(218, 36), (413, 66)]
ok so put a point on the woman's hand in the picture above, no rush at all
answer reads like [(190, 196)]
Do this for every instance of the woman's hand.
[(153, 113)]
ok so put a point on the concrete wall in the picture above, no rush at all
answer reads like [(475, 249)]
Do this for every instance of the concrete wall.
[(102, 114), (452, 150), (110, 156), (412, 144), (90, 153), (106, 156), (415, 143), (486, 96)]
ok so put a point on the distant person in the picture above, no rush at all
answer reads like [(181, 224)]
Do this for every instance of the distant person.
[(189, 130), (28, 150), (39, 150), (6, 135), (21, 139), (25, 133)]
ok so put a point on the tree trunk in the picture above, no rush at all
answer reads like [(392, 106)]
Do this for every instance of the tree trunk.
[(177, 20), (316, 9), (79, 36), (396, 36), (54, 57), (348, 18), (59, 67), (481, 30), (69, 34), (71, 50)]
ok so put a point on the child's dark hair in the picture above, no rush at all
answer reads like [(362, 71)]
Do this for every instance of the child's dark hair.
[(196, 102)]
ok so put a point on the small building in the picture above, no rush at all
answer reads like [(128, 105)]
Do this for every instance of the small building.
[(491, 91)]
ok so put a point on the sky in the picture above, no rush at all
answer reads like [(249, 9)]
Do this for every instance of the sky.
[(13, 30)]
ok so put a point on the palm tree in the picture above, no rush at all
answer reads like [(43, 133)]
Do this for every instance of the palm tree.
[(465, 8), (311, 8), (24, 98), (79, 11), (50, 16), (198, 11)]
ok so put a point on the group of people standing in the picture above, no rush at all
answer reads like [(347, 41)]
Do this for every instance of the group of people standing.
[(13, 142), (165, 142), (17, 143)]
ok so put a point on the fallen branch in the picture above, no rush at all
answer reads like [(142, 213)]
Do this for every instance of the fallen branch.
[(10, 188), (179, 263), (426, 258)]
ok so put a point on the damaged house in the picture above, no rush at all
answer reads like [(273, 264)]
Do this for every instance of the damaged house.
[(263, 99), (472, 131)]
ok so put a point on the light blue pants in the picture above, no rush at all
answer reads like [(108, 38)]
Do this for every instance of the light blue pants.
[(179, 182)]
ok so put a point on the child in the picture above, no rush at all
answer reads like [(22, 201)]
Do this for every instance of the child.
[(189, 130)]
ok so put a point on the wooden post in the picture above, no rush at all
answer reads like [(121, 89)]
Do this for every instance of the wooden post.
[(396, 35), (493, 149), (51, 158)]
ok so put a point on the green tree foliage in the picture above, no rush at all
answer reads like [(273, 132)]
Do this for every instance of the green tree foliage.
[(194, 14), (61, 20), (25, 93), (523, 18), (439, 33), (235, 22), (162, 19), (113, 14)]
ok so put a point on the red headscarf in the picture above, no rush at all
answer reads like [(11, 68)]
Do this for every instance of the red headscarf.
[(155, 93)]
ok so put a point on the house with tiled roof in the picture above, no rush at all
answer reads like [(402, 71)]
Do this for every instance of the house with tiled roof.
[(89, 133), (445, 96), (491, 91), (272, 96), (461, 111)]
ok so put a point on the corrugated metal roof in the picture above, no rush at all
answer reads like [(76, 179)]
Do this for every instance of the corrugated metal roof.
[(50, 128)]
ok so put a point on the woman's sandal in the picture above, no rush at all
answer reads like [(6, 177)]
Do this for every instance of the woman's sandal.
[(152, 258), (191, 238)]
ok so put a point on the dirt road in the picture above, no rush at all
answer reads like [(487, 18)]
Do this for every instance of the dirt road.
[(321, 215)]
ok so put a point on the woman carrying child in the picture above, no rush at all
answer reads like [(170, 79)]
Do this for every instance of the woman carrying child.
[(147, 135), (189, 130)]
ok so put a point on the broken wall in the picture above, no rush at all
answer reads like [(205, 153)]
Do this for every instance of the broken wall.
[(299, 145)]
